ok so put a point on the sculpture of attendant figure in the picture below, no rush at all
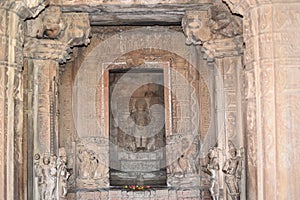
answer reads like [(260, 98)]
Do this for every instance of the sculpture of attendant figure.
[(63, 176), (84, 165), (232, 169), (39, 169), (213, 168), (51, 178)]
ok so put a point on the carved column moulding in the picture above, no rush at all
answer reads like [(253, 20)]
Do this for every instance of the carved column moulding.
[(13, 140), (50, 39)]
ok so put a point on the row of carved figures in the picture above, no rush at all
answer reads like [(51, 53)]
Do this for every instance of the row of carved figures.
[(232, 170), (52, 175)]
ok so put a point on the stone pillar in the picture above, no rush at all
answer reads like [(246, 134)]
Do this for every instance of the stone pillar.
[(49, 40), (219, 34), (271, 35), (227, 62), (13, 158)]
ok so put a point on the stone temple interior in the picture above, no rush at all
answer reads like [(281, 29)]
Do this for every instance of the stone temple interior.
[(149, 99)]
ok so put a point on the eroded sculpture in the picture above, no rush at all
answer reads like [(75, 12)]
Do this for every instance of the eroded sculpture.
[(212, 169), (90, 169), (232, 170), (216, 23), (52, 176)]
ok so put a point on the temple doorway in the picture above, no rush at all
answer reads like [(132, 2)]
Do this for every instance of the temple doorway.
[(137, 132)]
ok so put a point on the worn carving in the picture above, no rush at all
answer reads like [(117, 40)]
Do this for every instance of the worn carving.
[(233, 170), (212, 169), (53, 34), (223, 23), (91, 160), (52, 23), (183, 171), (202, 26), (52, 176), (196, 27)]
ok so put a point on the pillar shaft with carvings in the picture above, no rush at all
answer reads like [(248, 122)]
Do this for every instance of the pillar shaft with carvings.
[(49, 40), (271, 34), (219, 34), (13, 156)]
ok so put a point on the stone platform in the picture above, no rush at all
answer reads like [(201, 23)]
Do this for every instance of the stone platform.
[(151, 194)]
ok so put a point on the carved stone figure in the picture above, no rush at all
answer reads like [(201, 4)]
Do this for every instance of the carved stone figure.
[(84, 164), (40, 168), (223, 23), (52, 176), (188, 161), (202, 26), (52, 23), (195, 27), (90, 167), (63, 175), (138, 121), (212, 169), (232, 169)]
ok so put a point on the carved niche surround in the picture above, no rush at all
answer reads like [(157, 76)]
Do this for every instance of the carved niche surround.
[(148, 46)]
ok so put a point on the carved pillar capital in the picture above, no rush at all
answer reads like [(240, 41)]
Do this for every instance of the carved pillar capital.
[(53, 34), (217, 30), (46, 50), (220, 48)]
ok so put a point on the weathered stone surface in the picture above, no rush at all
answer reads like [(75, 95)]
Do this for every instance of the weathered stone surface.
[(133, 12)]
